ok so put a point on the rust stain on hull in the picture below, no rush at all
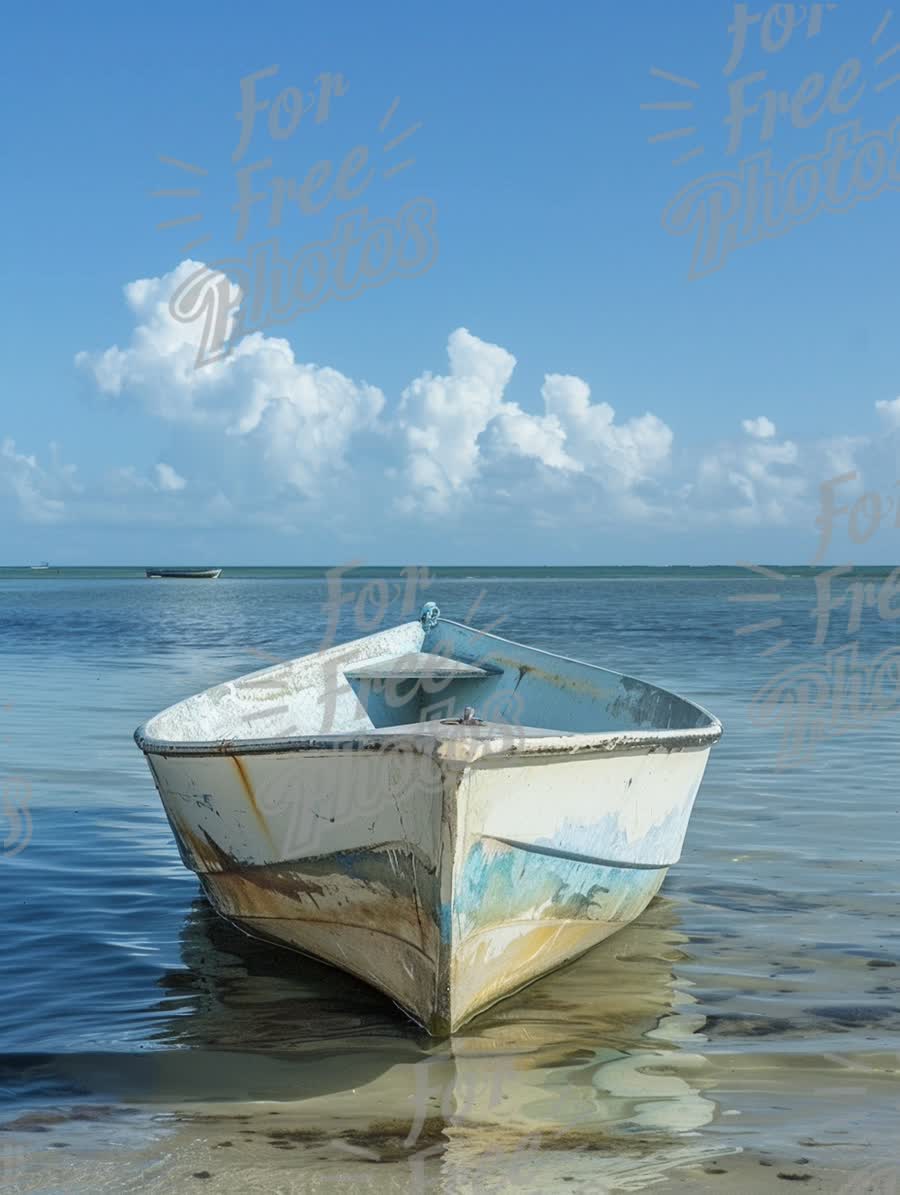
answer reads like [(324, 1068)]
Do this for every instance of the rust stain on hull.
[(200, 854), (326, 892), (387, 888), (251, 798)]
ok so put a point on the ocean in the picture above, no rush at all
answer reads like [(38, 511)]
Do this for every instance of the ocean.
[(743, 1033)]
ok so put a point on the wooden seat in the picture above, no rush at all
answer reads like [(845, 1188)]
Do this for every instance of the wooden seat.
[(417, 665)]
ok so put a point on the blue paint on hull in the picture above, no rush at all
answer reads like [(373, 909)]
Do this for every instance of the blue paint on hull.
[(605, 839), (500, 884)]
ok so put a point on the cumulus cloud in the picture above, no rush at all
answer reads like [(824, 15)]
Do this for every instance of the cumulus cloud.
[(161, 479), (623, 454), (38, 492), (168, 480), (760, 428), (457, 424), (756, 480), (272, 425), (293, 420), (839, 455), (761, 480), (296, 424), (537, 437), (444, 416), (889, 410)]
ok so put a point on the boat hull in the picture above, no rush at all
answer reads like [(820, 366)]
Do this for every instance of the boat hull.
[(445, 878), (183, 574)]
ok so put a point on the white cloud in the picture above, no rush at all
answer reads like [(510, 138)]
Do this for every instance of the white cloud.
[(443, 417), (889, 410), (295, 424), (840, 454), (585, 453), (38, 492), (294, 421), (751, 481), (761, 428), (621, 454), (168, 480), (761, 480), (539, 437), (125, 479), (278, 438)]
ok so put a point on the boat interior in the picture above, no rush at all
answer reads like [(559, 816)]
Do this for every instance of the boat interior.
[(449, 675), (461, 669)]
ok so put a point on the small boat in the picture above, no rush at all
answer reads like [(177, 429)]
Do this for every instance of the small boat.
[(191, 573), (39, 567), (441, 812)]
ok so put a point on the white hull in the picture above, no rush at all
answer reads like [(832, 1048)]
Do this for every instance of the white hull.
[(183, 574), (447, 864)]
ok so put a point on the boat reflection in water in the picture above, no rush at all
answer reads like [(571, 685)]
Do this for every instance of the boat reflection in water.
[(592, 1062), (316, 1079)]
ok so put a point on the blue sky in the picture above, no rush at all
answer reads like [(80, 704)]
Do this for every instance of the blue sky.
[(551, 385)]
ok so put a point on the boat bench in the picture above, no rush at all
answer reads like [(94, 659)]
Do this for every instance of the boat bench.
[(418, 665), (378, 687)]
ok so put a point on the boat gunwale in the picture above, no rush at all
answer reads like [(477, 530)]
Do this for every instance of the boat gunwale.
[(565, 743)]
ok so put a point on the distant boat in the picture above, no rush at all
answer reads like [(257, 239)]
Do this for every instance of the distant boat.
[(194, 573), (441, 812), (42, 565)]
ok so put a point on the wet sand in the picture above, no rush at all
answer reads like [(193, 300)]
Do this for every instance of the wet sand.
[(276, 1151), (523, 1099)]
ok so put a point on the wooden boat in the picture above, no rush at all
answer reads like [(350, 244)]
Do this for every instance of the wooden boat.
[(441, 812), (191, 573)]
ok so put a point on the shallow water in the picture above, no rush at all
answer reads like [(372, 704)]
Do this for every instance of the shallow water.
[(755, 1007)]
